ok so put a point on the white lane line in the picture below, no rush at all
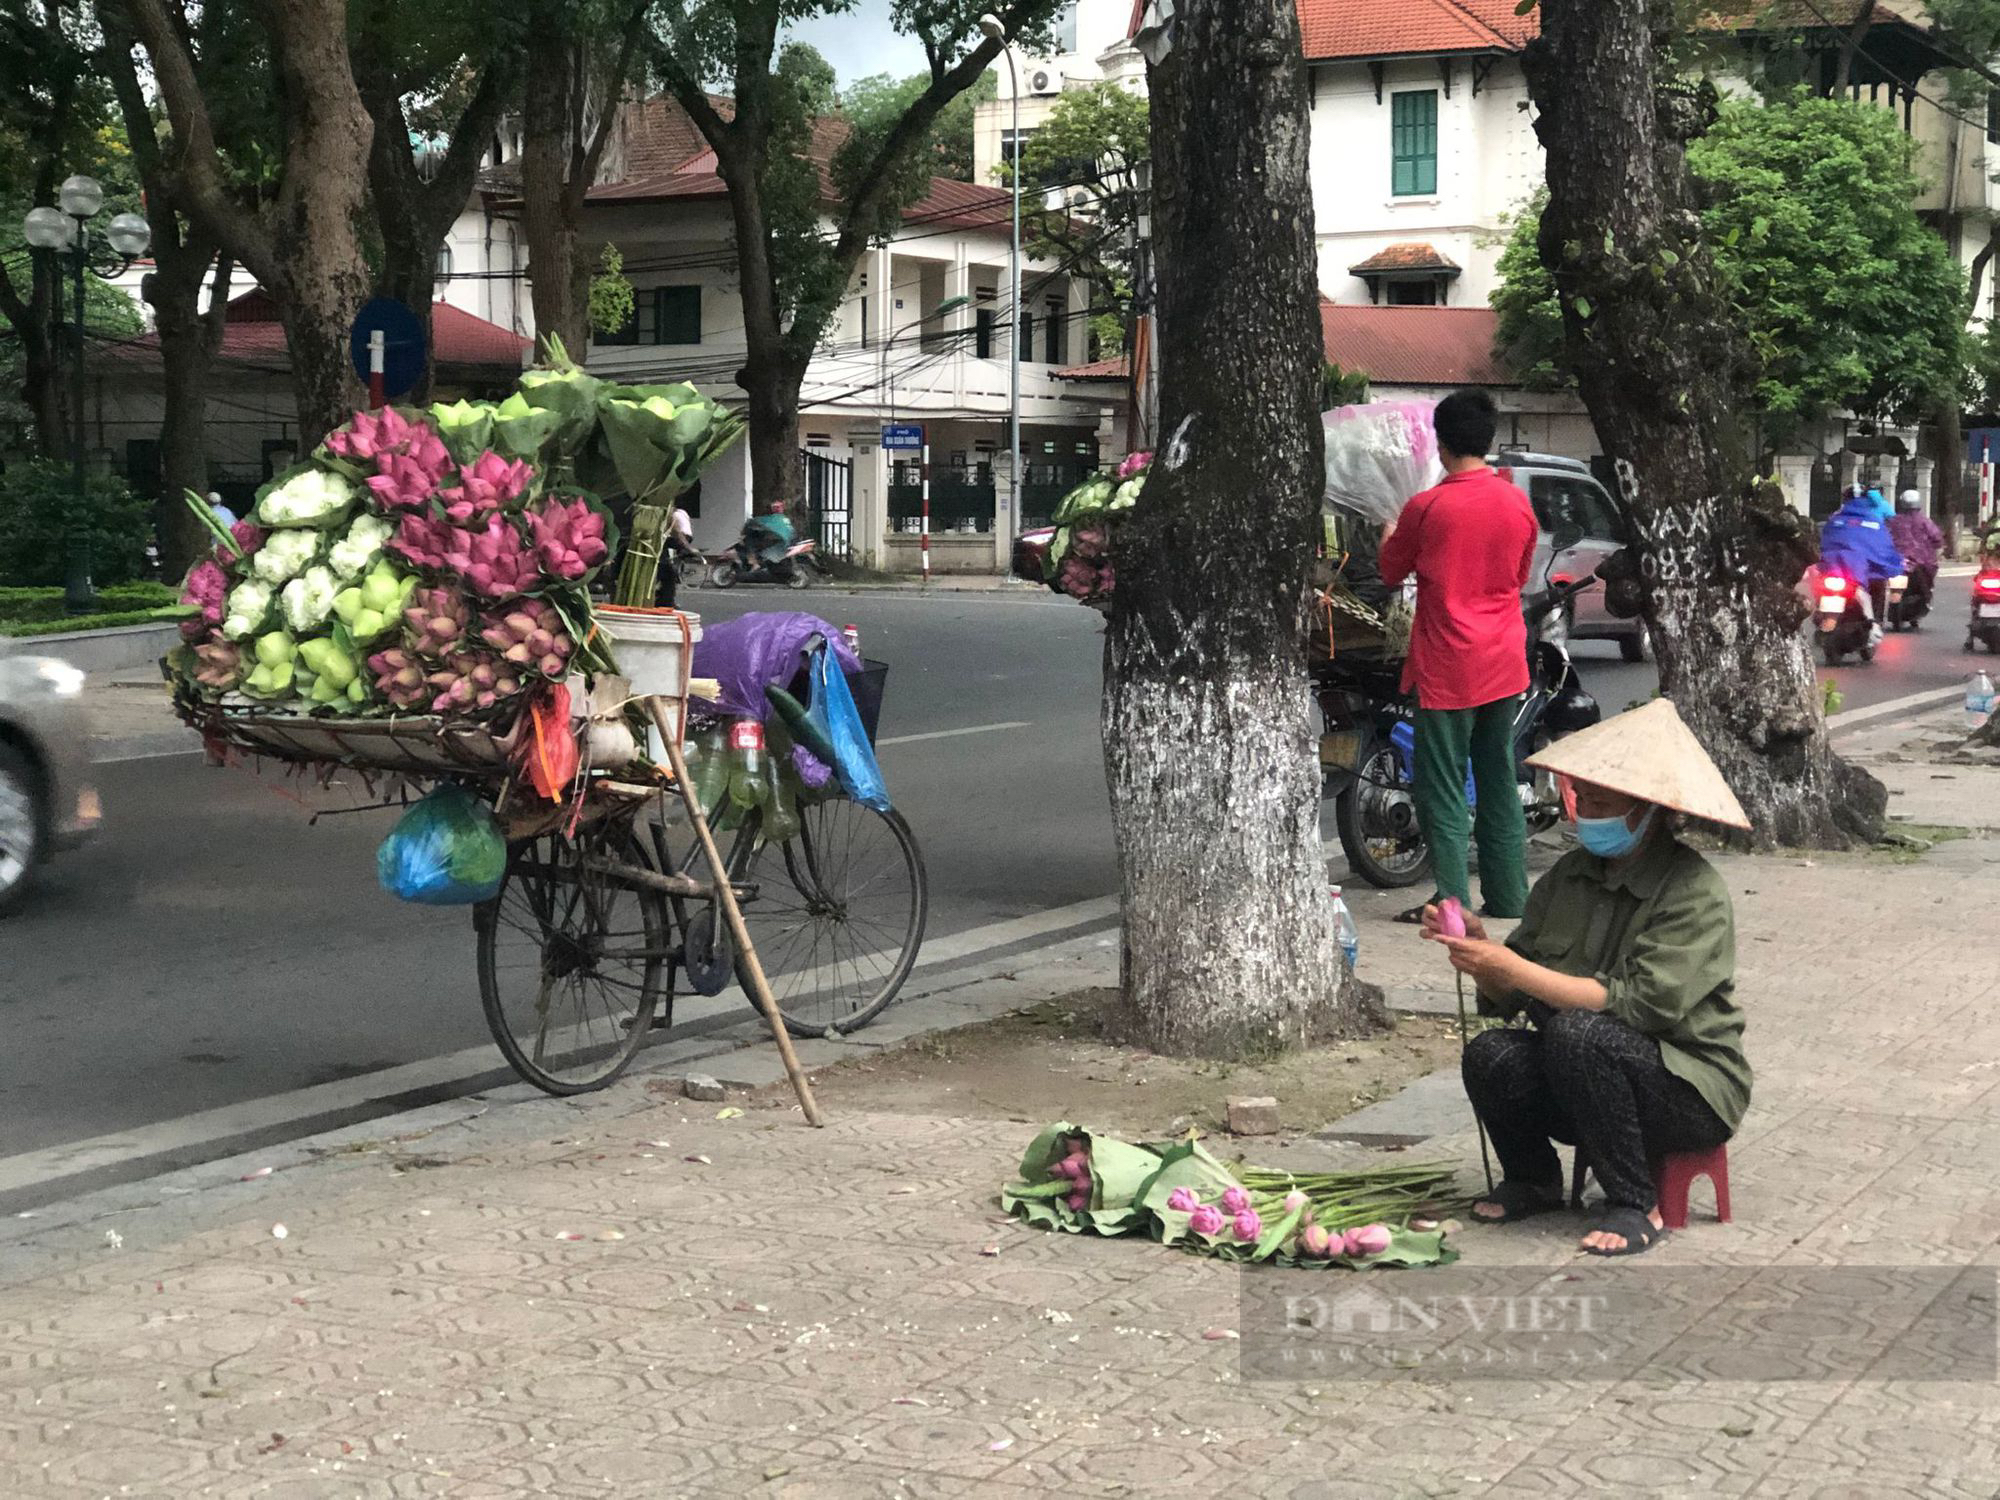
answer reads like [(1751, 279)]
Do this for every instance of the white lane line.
[(1848, 718), (952, 734), (32, 1168), (119, 760)]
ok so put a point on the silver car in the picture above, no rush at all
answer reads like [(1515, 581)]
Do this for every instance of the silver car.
[(1564, 492), (47, 801)]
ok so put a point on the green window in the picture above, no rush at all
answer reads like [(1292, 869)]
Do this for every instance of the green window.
[(677, 315), (1413, 142)]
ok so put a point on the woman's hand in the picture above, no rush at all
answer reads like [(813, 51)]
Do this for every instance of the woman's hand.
[(1494, 967), (1434, 930)]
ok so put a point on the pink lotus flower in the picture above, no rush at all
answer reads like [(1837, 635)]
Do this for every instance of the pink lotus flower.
[(1294, 1201), (1248, 1226), (205, 589), (1079, 577), (248, 536), (1235, 1200), (424, 541), (1088, 542), (494, 562), (1071, 1166), (1183, 1201), (399, 677), (401, 483), (1078, 1200), (1207, 1220), (1084, 1185), (488, 483), (221, 666), (1369, 1239), (531, 635), (1315, 1242), (569, 538), (370, 433), (1132, 463)]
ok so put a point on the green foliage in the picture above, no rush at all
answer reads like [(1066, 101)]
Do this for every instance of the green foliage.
[(1846, 298), (1338, 387), (611, 300), (1088, 146), (37, 503), (871, 105)]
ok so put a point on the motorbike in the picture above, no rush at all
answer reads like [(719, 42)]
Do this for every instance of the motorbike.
[(741, 564), (1368, 749), (1842, 615), (1909, 598), (1984, 627)]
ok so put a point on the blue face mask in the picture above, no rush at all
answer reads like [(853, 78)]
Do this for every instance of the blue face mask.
[(1609, 838)]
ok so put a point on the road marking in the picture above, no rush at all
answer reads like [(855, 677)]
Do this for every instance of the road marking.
[(227, 1122), (119, 760), (1849, 718), (952, 734)]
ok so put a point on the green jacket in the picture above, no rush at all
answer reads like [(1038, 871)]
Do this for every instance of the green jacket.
[(1660, 936)]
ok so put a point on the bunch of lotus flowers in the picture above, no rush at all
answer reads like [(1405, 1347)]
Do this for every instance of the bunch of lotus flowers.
[(401, 678), (438, 621), (1076, 1167), (471, 681), (205, 589), (312, 498), (530, 636), (489, 483), (218, 667), (494, 562), (408, 457), (569, 538), (1243, 1216)]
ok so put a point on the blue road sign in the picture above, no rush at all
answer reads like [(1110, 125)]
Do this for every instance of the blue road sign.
[(903, 437), (403, 351)]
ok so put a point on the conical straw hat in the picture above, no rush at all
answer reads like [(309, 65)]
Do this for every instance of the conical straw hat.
[(1647, 752)]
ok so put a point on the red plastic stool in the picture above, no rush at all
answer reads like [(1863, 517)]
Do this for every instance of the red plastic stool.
[(1674, 1175)]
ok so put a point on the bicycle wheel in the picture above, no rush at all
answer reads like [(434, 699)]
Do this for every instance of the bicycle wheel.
[(570, 959), (836, 914)]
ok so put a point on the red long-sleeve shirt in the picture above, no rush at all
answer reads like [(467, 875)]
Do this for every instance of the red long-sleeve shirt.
[(1470, 541)]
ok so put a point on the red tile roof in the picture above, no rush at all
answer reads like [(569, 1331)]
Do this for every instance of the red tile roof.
[(1402, 28), (1362, 29), (958, 205), (1411, 255), (1414, 345), (1391, 345), (659, 136), (253, 335)]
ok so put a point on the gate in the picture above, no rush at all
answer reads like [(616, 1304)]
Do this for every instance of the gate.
[(829, 491)]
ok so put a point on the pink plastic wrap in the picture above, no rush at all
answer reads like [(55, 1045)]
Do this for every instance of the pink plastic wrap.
[(1378, 455)]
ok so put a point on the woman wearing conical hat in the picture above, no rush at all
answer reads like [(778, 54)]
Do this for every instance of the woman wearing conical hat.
[(1625, 962)]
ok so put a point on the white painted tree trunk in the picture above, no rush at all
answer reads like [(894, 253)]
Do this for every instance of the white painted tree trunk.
[(1208, 743)]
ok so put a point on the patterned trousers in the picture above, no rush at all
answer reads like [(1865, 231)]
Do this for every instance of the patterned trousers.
[(1589, 1080)]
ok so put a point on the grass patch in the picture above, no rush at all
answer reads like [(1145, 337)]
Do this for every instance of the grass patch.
[(32, 612), (1906, 843)]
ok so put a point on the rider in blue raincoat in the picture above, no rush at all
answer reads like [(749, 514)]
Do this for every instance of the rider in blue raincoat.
[(1855, 542)]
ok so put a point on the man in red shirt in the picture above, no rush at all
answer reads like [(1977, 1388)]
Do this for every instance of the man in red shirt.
[(1470, 541)]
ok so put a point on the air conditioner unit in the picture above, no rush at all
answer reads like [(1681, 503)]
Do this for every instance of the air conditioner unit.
[(1046, 79)]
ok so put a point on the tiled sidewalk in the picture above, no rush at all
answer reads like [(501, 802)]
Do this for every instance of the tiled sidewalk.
[(816, 1313)]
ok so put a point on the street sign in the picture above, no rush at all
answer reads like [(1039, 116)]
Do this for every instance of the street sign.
[(403, 351), (903, 437)]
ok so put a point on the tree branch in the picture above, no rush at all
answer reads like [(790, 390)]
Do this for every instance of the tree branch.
[(612, 91), (194, 158)]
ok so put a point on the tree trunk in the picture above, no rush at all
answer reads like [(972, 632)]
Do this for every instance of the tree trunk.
[(1208, 742), (1656, 357), (772, 411), (188, 342), (559, 159), (41, 387)]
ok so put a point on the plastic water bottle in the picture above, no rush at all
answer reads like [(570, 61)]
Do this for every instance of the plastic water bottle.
[(852, 635), (1344, 930), (749, 778), (1978, 700)]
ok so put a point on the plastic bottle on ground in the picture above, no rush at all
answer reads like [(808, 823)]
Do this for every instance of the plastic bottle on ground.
[(1344, 930), (1978, 700)]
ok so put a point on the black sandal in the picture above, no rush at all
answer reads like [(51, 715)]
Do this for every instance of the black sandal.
[(1637, 1229), (1516, 1201), (1415, 915)]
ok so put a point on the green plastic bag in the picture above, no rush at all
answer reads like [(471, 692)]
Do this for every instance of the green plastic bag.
[(445, 851)]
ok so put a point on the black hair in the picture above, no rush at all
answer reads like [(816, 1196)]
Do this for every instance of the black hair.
[(1466, 421)]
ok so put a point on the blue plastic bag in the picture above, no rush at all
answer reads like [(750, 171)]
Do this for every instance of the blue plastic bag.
[(445, 851), (834, 712)]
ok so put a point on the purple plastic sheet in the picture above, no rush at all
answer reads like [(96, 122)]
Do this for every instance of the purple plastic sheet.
[(763, 650)]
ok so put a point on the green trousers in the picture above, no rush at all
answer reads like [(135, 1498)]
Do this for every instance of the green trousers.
[(1446, 739)]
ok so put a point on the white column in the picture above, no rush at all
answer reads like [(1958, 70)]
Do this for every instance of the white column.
[(1003, 541), (1924, 476), (1795, 479)]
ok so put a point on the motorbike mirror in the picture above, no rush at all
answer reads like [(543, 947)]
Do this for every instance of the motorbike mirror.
[(1565, 536)]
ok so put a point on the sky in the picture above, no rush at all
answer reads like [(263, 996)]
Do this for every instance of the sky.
[(862, 42)]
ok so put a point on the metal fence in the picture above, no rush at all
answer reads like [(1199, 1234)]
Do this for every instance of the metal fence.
[(828, 486)]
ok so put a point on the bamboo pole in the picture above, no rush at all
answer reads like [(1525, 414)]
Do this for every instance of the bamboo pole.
[(725, 897)]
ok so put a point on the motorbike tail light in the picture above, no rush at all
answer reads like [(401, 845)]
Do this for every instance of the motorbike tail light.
[(1833, 583), (1987, 583)]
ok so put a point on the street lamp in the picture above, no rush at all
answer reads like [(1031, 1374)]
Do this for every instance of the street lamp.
[(996, 30), (63, 234)]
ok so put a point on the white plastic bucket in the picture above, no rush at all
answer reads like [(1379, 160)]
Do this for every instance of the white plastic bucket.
[(654, 650)]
